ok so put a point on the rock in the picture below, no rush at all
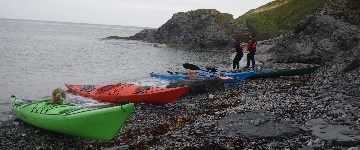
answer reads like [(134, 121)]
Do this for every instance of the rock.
[(197, 29), (346, 132), (352, 66), (339, 134), (314, 122), (123, 147), (347, 10), (211, 96), (257, 125), (318, 39), (16, 123), (199, 84)]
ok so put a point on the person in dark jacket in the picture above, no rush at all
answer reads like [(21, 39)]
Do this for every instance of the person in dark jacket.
[(251, 48), (238, 48)]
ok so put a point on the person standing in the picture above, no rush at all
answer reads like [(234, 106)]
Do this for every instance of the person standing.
[(251, 48), (238, 48)]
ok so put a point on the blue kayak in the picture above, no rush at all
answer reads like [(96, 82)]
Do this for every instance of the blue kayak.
[(234, 77), (168, 76), (237, 74), (179, 75)]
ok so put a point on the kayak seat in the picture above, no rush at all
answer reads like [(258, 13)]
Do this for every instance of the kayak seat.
[(87, 88), (19, 103), (104, 88), (141, 89)]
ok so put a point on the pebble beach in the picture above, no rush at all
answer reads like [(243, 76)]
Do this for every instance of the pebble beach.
[(269, 113)]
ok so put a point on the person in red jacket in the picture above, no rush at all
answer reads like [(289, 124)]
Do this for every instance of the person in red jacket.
[(251, 48)]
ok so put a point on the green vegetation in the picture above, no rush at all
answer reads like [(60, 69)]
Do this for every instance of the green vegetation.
[(279, 15), (219, 17), (175, 15), (222, 17)]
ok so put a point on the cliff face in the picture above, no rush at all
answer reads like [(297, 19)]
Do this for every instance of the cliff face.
[(346, 10), (199, 29), (327, 35)]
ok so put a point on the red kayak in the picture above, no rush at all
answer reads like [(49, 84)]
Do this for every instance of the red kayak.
[(123, 91)]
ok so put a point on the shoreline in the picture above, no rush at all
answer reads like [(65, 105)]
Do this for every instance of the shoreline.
[(198, 122)]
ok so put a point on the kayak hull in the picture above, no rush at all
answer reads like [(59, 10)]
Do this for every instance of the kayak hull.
[(267, 73), (237, 78), (90, 123), (168, 76), (114, 93)]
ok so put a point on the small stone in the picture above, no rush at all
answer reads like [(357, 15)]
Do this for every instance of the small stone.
[(211, 96), (357, 138), (16, 123), (309, 144)]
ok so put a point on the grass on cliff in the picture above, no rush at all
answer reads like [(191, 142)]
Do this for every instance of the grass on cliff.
[(279, 15)]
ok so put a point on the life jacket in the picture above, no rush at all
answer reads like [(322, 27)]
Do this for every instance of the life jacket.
[(253, 46)]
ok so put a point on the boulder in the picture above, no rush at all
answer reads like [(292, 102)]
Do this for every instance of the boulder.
[(202, 29), (339, 134), (257, 125), (318, 39)]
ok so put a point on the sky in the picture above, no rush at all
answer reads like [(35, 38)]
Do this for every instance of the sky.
[(140, 13)]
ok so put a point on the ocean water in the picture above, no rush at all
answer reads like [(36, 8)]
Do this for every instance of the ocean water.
[(37, 57)]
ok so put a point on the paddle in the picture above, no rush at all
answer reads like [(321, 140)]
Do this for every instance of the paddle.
[(186, 66), (211, 69)]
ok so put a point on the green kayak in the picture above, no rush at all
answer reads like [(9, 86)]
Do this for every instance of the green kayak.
[(266, 73), (91, 123)]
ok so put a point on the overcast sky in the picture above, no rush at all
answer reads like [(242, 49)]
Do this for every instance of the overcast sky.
[(141, 13)]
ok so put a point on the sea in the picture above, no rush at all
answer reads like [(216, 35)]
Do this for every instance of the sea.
[(39, 56)]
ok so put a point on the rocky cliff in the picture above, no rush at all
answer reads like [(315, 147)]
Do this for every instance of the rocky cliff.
[(202, 29), (331, 34), (198, 29)]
